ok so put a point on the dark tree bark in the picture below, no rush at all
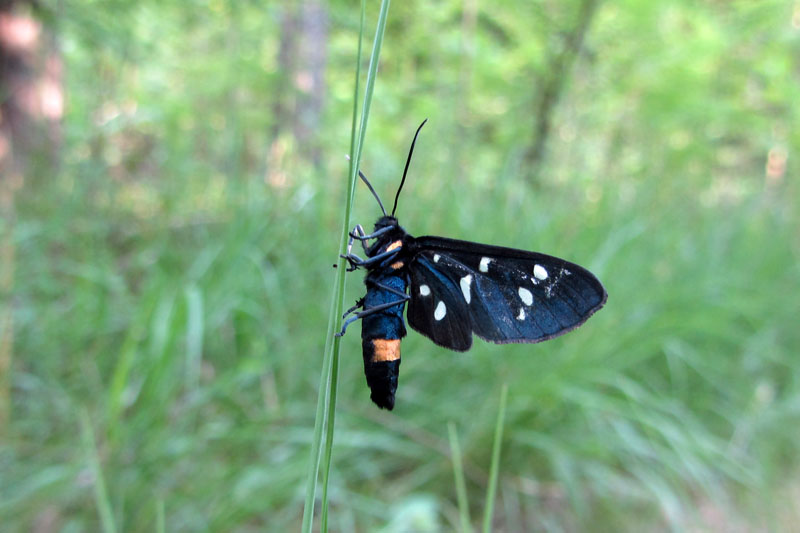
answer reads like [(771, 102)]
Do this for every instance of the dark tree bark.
[(18, 37), (31, 94), (31, 104), (553, 86), (463, 124), (299, 100), (310, 78), (287, 53)]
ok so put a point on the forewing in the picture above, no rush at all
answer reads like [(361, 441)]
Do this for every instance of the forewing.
[(436, 308), (501, 294)]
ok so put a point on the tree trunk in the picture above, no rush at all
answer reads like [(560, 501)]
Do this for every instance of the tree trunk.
[(299, 99), (309, 79), (552, 87), (31, 104)]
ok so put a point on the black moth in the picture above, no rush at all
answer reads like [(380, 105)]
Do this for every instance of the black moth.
[(457, 288)]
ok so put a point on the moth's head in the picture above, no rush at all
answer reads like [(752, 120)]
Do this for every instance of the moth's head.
[(386, 221)]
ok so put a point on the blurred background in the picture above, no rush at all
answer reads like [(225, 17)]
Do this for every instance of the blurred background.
[(172, 192)]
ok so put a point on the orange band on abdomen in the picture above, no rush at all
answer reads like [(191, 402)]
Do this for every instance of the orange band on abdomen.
[(385, 350)]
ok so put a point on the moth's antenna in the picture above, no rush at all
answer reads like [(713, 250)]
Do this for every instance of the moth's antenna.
[(369, 185), (405, 170), (364, 178)]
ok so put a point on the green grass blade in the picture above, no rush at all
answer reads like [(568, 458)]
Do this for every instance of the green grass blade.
[(334, 381), (119, 380), (355, 159), (100, 493), (194, 337), (458, 473), (371, 75), (491, 491), (160, 518), (327, 394)]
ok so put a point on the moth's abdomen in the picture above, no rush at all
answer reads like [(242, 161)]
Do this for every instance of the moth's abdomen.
[(382, 367), (380, 337)]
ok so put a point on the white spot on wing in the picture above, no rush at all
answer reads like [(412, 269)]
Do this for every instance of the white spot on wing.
[(521, 315), (526, 296), (440, 311), (435, 258), (424, 290), (539, 272), (466, 281), (484, 267)]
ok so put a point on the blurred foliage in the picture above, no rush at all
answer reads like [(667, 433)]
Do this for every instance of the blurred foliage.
[(173, 272)]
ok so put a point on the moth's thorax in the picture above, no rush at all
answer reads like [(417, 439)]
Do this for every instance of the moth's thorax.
[(394, 239)]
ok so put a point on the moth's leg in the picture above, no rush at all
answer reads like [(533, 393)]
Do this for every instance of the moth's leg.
[(359, 304), (358, 233), (370, 311), (350, 243), (356, 262), (355, 234), (399, 293)]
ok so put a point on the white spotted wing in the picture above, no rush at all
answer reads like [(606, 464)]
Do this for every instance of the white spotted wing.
[(503, 295)]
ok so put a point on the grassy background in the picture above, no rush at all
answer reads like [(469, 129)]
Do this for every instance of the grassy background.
[(172, 276)]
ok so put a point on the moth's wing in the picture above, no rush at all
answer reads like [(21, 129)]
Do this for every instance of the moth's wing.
[(436, 308), (501, 294)]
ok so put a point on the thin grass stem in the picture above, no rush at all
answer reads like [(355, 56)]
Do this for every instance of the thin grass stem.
[(458, 474), (339, 299), (100, 492), (326, 402), (491, 491)]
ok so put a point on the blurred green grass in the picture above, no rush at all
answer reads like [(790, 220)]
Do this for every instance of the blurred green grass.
[(179, 300)]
